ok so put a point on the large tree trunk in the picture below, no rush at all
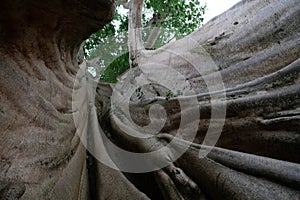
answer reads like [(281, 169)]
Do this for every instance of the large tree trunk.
[(41, 156), (255, 46)]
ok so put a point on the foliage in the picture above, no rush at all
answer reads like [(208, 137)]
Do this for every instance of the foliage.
[(180, 16), (117, 67), (118, 26), (170, 93), (177, 19)]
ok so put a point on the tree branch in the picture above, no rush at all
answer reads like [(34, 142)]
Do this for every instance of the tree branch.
[(135, 43), (152, 37)]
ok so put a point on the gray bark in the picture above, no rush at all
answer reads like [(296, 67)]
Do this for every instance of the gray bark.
[(255, 46)]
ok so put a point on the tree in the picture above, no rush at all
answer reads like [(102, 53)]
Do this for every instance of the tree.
[(163, 21), (42, 157), (180, 17)]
